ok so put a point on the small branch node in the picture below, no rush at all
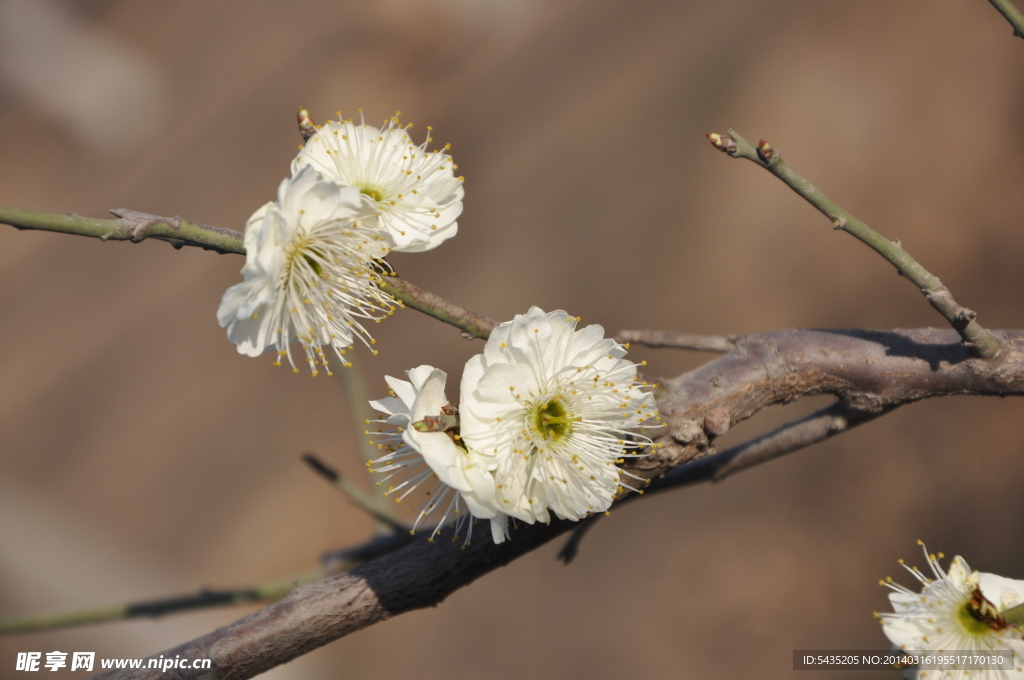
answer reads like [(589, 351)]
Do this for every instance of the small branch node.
[(138, 223), (839, 223), (466, 336), (940, 292), (965, 316), (717, 421), (687, 432)]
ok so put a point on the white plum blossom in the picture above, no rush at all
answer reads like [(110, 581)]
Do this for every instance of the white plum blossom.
[(310, 273), (414, 191), (956, 610), (454, 476), (552, 405)]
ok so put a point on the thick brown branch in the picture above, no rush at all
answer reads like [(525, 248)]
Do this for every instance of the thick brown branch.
[(791, 437), (871, 372), (333, 563), (420, 575), (677, 340)]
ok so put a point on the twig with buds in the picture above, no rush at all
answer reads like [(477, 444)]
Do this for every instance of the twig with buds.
[(963, 320)]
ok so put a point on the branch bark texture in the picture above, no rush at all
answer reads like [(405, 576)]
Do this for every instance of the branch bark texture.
[(871, 373), (678, 340)]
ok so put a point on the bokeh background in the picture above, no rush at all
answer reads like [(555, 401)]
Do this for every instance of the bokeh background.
[(141, 456)]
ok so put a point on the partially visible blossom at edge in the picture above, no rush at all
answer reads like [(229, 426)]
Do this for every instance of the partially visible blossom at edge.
[(956, 610), (552, 404), (310, 274), (456, 479), (415, 193)]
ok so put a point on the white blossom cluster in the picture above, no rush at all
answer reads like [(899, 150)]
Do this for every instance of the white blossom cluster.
[(957, 610), (547, 412), (543, 419), (313, 258)]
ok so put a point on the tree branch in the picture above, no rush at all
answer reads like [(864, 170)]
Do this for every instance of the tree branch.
[(136, 226), (1012, 15), (470, 323), (871, 372), (131, 226), (204, 599), (355, 495), (794, 436), (572, 546), (420, 575), (799, 434), (960, 318), (332, 563), (357, 397), (677, 340)]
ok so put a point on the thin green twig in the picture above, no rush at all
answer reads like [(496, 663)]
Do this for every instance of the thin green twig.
[(136, 226), (358, 399), (336, 562), (1012, 15), (471, 324), (130, 226), (204, 599), (981, 342), (362, 500)]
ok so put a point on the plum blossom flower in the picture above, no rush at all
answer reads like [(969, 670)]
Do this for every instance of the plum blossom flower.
[(455, 479), (956, 610), (310, 273), (552, 405), (414, 191)]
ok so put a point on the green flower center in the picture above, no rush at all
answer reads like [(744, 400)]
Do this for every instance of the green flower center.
[(375, 194), (314, 264), (310, 255), (551, 420)]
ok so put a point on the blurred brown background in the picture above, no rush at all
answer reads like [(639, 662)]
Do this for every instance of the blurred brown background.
[(141, 456)]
